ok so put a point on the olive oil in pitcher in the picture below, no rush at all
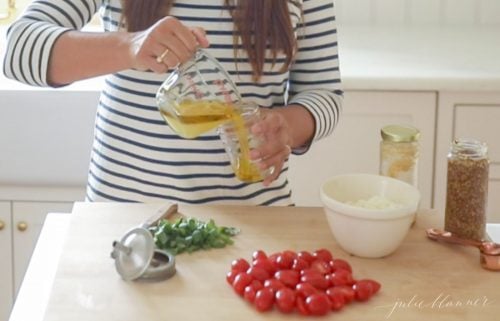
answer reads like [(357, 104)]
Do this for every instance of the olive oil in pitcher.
[(200, 96), (193, 118)]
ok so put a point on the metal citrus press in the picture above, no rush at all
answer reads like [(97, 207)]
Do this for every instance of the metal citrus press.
[(135, 255)]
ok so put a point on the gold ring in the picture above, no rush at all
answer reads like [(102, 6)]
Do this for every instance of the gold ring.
[(160, 58)]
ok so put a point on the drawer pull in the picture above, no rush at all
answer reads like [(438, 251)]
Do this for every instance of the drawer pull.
[(2, 225), (22, 226)]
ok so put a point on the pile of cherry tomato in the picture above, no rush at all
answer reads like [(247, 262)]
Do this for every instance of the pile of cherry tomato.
[(309, 283)]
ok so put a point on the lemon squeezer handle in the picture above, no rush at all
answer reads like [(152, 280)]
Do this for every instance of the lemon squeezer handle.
[(163, 212)]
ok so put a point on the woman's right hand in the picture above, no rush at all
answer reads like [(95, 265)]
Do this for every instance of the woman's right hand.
[(168, 38)]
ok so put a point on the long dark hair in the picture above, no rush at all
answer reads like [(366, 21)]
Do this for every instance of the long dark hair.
[(258, 23)]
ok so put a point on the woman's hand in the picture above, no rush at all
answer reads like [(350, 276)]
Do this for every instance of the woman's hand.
[(164, 45), (277, 137)]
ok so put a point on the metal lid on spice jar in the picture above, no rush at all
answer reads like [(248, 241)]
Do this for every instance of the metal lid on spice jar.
[(399, 133)]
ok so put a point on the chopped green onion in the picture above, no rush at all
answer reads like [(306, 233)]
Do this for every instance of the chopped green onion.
[(190, 234)]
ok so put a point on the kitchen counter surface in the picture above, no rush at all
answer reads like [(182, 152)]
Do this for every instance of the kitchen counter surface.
[(34, 293), (405, 58), (86, 286)]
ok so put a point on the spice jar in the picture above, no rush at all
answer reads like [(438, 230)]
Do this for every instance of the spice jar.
[(467, 189), (399, 151)]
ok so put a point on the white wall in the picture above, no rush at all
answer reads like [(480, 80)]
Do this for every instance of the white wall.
[(419, 12)]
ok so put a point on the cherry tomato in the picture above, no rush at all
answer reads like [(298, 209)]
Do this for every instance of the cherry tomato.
[(290, 253), (259, 254), (323, 254), (264, 264), (300, 264), (337, 299), (318, 304), (240, 265), (285, 300), (258, 273), (249, 293), (305, 289), (241, 281), (273, 258), (341, 277), (289, 278), (273, 284), (306, 256), (308, 270), (312, 283), (251, 290), (285, 260), (363, 290), (321, 266), (375, 285), (347, 292), (264, 299), (300, 303), (230, 276), (257, 285), (337, 264), (315, 279)]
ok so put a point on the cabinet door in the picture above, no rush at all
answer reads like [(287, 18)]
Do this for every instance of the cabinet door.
[(354, 145), (469, 115), (5, 261), (28, 219)]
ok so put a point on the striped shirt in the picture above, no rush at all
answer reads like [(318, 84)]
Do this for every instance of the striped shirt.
[(136, 157)]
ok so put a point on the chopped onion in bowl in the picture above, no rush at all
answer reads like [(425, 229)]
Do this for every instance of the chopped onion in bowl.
[(375, 203)]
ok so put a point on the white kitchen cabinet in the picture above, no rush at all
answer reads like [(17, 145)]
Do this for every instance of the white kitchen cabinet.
[(354, 145), (469, 115), (6, 284), (20, 224), (27, 220)]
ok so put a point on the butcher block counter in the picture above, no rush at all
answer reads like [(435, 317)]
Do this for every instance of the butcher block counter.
[(422, 280)]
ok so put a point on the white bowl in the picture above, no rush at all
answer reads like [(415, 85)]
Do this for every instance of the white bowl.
[(370, 233)]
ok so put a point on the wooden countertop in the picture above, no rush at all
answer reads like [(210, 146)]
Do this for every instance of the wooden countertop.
[(423, 280)]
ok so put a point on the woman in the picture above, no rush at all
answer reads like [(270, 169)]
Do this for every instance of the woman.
[(281, 55)]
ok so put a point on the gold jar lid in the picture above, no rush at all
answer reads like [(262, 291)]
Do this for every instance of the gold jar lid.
[(399, 133)]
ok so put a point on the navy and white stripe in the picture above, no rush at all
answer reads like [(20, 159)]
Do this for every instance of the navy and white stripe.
[(135, 155)]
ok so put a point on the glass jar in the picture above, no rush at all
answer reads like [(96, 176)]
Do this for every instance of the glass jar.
[(467, 189), (399, 152), (197, 96), (238, 141)]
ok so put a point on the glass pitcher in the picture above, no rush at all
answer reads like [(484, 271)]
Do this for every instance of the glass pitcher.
[(198, 96)]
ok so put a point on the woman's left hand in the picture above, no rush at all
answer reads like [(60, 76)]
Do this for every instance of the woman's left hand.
[(277, 137)]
